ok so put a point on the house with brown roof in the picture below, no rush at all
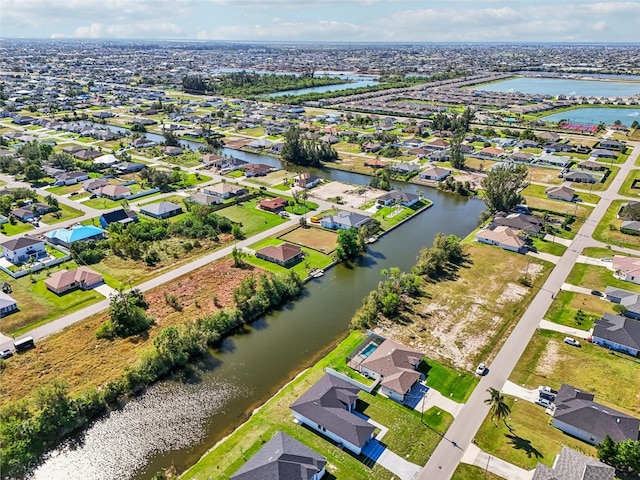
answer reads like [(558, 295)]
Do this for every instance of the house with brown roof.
[(503, 237), (375, 163), (626, 268), (273, 205), (66, 280), (396, 366), (114, 192), (566, 194), (284, 254), (257, 169)]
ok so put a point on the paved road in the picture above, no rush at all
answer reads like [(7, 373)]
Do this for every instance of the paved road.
[(445, 459)]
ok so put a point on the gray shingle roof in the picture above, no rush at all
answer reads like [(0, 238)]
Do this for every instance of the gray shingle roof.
[(572, 465), (21, 242), (617, 329)]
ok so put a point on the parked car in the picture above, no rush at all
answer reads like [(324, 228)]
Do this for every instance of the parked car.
[(263, 187), (544, 402), (284, 214), (571, 341), (547, 389), (481, 370), (6, 354), (606, 259), (597, 293)]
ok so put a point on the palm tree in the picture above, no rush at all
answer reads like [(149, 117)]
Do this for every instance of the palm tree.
[(499, 409)]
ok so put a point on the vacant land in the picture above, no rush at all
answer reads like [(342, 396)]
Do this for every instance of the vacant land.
[(345, 194), (75, 357), (250, 217), (65, 213), (407, 436), (312, 237), (16, 229), (566, 208), (608, 230), (272, 179), (549, 361), (543, 175), (597, 278), (629, 186), (451, 383), (565, 307), (466, 317)]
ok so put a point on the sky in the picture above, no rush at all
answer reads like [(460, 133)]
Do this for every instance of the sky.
[(326, 20)]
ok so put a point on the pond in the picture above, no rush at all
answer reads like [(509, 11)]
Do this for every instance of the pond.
[(558, 86)]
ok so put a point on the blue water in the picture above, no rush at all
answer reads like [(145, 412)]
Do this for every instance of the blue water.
[(593, 116), (325, 88), (369, 350), (558, 86)]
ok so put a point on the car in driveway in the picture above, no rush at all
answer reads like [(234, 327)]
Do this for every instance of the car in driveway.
[(544, 402), (572, 341), (597, 293), (481, 370), (6, 354)]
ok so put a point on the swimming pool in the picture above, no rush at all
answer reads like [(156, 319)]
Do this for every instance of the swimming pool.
[(368, 350)]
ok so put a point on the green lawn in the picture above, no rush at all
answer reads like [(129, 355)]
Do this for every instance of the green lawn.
[(449, 382), (531, 440), (548, 247), (16, 229), (471, 472), (65, 213), (565, 307), (302, 208), (407, 437), (190, 159), (234, 174), (625, 188), (597, 278), (387, 221), (193, 179), (281, 187), (537, 191), (608, 230), (103, 203), (612, 378), (38, 305), (602, 186), (599, 252), (312, 259), (65, 189), (252, 219)]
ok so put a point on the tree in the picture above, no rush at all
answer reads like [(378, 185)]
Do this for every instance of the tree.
[(52, 202), (455, 151), (34, 172), (238, 257), (170, 140), (607, 450), (635, 124), (127, 315), (347, 244), (499, 409), (292, 150), (502, 187)]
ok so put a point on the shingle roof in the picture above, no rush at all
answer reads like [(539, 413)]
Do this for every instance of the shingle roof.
[(396, 363), (572, 465), (621, 330), (283, 252), (161, 208), (22, 242), (282, 458)]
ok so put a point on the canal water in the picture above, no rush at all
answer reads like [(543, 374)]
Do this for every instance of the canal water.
[(593, 116), (175, 422)]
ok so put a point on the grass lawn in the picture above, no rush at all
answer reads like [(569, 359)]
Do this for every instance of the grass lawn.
[(65, 213), (565, 306), (543, 175), (193, 179), (65, 189), (471, 472), (251, 218), (407, 436), (547, 360), (531, 440), (599, 252), (597, 278), (449, 382), (391, 216), (312, 259), (103, 203), (339, 362), (565, 208), (312, 237), (282, 188), (548, 247), (601, 186), (18, 228), (190, 159), (301, 208), (537, 191), (608, 230), (38, 305), (626, 187), (235, 174)]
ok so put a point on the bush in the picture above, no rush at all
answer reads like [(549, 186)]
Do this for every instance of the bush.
[(173, 301)]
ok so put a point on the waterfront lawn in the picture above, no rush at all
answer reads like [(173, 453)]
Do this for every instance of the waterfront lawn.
[(471, 472), (537, 191), (339, 362), (608, 230), (627, 187), (547, 360), (531, 438), (38, 305), (65, 213), (451, 383), (313, 237), (597, 278), (273, 179), (251, 219), (546, 246), (19, 227), (312, 259), (406, 433), (565, 307), (391, 216)]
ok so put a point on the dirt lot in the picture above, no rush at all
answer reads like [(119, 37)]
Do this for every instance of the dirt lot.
[(273, 178), (461, 320), (75, 357), (316, 238), (351, 196)]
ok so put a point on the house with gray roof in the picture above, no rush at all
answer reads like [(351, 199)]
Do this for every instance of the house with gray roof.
[(629, 300), (283, 458), (518, 221), (617, 333), (328, 407), (572, 465), (7, 304), (19, 250), (580, 177), (395, 196), (576, 414), (344, 221), (161, 210)]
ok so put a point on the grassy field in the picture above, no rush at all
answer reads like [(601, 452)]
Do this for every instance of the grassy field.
[(543, 175), (65, 189), (597, 278), (547, 360), (626, 187), (602, 186), (252, 219), (312, 259), (389, 217), (537, 191), (599, 252), (531, 439), (17, 229), (566, 208), (316, 238), (548, 247), (449, 382), (565, 306), (407, 436), (471, 472), (38, 305), (189, 159), (65, 213), (608, 230), (103, 203)]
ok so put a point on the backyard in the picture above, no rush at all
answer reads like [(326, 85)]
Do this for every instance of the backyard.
[(312, 237), (250, 217), (391, 216), (312, 259)]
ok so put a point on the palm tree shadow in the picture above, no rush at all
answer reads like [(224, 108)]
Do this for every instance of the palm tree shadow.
[(520, 443)]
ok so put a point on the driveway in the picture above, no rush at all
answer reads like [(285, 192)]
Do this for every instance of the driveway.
[(562, 241), (474, 456), (547, 257), (522, 393), (105, 290), (434, 398), (596, 261), (575, 332), (574, 288)]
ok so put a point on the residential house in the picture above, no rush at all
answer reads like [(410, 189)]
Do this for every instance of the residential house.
[(591, 165), (77, 233), (404, 168), (396, 366), (437, 144), (375, 163), (143, 142), (257, 169), (114, 192), (572, 465), (491, 152), (203, 199), (283, 458), (580, 177), (327, 407), (617, 333), (94, 184), (503, 237), (345, 220), (169, 150), (260, 144), (566, 194), (529, 224), (7, 304), (576, 414), (20, 250), (557, 160), (306, 180), (225, 190), (395, 196), (71, 178), (211, 159), (557, 147), (106, 160), (66, 280), (522, 157), (603, 153), (611, 144), (626, 268), (161, 210), (130, 167), (273, 205), (87, 154), (119, 215), (284, 254), (434, 174), (24, 214)]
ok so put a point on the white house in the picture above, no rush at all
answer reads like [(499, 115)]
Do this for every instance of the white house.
[(344, 221), (618, 333), (626, 268), (7, 304), (435, 174), (20, 250)]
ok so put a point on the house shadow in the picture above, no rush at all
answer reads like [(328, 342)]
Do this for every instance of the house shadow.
[(520, 443)]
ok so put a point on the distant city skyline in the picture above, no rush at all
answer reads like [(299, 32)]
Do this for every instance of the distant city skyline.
[(326, 20)]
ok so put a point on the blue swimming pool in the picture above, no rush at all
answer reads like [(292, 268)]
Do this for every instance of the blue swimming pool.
[(369, 349)]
